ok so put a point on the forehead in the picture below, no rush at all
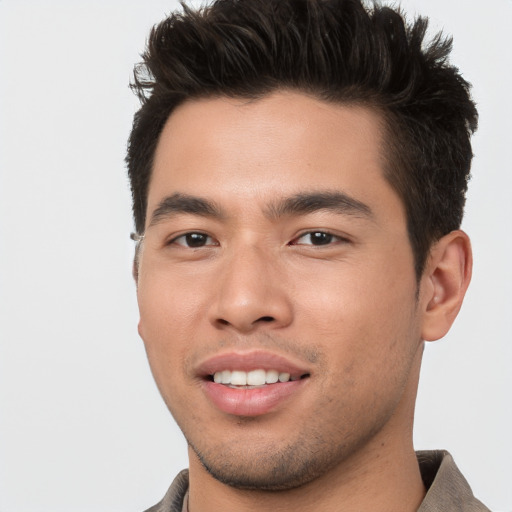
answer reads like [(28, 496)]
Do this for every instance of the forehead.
[(252, 150)]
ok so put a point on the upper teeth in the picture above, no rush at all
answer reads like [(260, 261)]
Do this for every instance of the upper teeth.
[(252, 378)]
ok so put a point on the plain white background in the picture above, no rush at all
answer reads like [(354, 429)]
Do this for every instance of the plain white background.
[(82, 427)]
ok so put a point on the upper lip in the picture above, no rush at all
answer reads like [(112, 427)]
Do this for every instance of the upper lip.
[(249, 360)]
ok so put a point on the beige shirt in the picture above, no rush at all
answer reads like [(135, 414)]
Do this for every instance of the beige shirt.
[(448, 490)]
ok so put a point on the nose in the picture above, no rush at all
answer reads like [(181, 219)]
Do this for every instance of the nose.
[(251, 293)]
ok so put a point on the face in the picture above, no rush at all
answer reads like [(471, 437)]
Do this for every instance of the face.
[(275, 250)]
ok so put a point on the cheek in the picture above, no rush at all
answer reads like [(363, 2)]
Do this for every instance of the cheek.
[(370, 344), (363, 319), (169, 315), (355, 296), (168, 303)]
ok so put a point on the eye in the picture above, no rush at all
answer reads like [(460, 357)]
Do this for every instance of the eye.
[(318, 238), (194, 240)]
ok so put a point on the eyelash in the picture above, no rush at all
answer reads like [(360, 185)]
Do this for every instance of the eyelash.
[(189, 238), (197, 234), (331, 236)]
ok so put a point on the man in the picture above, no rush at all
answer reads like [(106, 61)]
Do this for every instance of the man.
[(298, 171)]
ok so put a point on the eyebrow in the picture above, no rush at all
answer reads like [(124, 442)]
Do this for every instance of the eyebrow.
[(298, 204), (182, 203), (304, 203)]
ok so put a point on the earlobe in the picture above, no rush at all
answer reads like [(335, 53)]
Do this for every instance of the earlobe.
[(444, 283)]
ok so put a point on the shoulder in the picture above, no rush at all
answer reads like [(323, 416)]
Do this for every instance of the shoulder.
[(447, 489), (173, 499)]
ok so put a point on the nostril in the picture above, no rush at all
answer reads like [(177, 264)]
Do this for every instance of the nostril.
[(239, 324)]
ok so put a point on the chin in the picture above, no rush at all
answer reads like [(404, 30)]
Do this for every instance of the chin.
[(272, 470)]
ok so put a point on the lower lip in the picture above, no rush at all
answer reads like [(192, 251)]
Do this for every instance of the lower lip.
[(251, 402)]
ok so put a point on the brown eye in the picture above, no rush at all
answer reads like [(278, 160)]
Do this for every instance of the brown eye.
[(320, 238), (317, 238), (194, 240)]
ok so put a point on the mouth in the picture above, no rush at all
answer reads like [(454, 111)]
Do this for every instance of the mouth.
[(251, 384)]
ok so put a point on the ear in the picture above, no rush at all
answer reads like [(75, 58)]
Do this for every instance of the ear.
[(444, 283)]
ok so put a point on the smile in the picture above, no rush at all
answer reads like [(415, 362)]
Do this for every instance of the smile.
[(251, 383)]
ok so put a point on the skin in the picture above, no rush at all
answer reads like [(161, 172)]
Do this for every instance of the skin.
[(348, 311)]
